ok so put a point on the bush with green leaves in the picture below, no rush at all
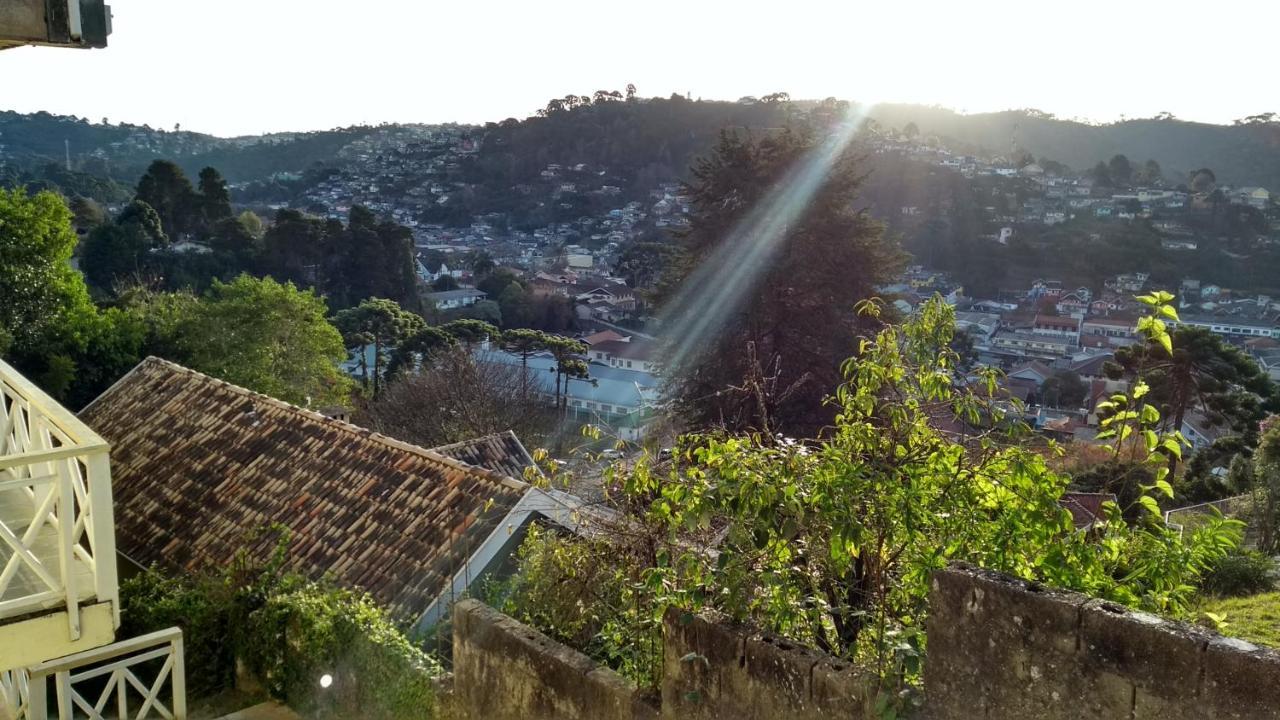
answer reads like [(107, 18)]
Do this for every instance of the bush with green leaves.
[(832, 541), (287, 632), (1246, 572), (586, 594)]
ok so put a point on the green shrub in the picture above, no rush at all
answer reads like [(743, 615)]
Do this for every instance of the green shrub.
[(1241, 573), (202, 607), (586, 594), (288, 632)]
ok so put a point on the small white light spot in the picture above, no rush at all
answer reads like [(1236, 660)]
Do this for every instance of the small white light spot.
[(326, 680)]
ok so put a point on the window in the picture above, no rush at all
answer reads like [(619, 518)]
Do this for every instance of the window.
[(628, 363)]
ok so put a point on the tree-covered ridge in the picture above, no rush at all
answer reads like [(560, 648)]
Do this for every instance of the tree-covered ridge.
[(121, 151), (1245, 153)]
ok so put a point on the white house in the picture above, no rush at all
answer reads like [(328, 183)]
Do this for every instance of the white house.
[(452, 299)]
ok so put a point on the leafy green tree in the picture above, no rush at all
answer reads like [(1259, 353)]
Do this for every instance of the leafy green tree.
[(833, 542), (482, 264), (45, 310), (267, 336), (229, 235), (250, 221), (515, 305), (379, 325), (1151, 174), (87, 212), (445, 283), (1202, 373), (485, 311), (122, 250), (1203, 181), (370, 259), (1264, 514), (1120, 170), (295, 245), (1064, 390), (793, 326), (1102, 175), (214, 200), (166, 189), (496, 282), (641, 264), (418, 348)]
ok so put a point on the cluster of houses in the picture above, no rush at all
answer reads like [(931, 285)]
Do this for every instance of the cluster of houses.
[(1053, 334), (1049, 198)]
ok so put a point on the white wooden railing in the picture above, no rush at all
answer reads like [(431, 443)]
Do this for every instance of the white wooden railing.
[(104, 682), (57, 536)]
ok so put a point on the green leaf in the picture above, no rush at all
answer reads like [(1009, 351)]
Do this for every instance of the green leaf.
[(1149, 436), (1169, 312), (1164, 487), (1166, 342), (1150, 504)]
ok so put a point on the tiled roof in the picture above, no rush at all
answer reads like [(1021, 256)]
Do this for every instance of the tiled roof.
[(199, 466), (502, 453), (1085, 507)]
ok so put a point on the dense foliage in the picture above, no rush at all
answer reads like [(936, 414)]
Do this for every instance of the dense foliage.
[(49, 327), (287, 631), (266, 336), (831, 542), (788, 333), (1203, 372)]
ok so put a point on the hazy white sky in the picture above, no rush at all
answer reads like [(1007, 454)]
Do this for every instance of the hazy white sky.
[(248, 66)]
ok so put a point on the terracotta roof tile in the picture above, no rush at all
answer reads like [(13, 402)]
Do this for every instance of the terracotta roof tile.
[(502, 453), (199, 466)]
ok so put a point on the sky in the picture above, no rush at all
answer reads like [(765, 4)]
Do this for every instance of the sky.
[(232, 67)]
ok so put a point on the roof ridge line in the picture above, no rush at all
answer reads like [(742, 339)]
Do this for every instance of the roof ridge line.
[(511, 482)]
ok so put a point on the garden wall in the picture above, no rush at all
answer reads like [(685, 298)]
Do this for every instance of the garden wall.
[(718, 670), (1003, 648), (505, 670), (998, 648)]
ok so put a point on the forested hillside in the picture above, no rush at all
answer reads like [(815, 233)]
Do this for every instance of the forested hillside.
[(1244, 154), (123, 151), (642, 142)]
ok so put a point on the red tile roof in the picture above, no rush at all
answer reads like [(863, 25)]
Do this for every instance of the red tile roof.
[(200, 466)]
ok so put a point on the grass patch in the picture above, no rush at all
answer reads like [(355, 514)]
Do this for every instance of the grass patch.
[(1255, 618)]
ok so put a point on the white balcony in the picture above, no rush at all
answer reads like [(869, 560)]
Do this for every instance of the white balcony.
[(58, 591), (137, 678)]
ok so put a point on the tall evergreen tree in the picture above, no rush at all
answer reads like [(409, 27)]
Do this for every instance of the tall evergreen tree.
[(214, 201), (769, 359), (166, 189)]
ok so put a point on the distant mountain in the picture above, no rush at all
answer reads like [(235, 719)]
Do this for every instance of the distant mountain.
[(123, 151), (1238, 154), (641, 143)]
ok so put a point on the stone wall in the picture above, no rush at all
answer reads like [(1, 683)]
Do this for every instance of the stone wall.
[(717, 670), (997, 648), (1003, 648), (505, 670)]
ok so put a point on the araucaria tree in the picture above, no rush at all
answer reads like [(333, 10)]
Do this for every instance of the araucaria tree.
[(767, 362), (1204, 374)]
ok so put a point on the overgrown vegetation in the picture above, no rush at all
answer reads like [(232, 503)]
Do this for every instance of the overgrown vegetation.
[(831, 542), (286, 632), (1241, 573)]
